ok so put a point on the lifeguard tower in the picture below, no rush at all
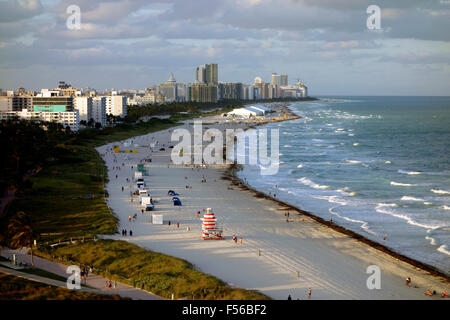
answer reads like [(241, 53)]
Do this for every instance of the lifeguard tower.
[(210, 230)]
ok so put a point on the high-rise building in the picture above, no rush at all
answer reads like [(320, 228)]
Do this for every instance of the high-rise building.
[(169, 89), (279, 79), (203, 92), (116, 105), (284, 79), (207, 73), (98, 113), (84, 107), (230, 90)]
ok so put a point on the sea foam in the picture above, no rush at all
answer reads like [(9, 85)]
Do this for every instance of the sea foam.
[(311, 184), (399, 184), (440, 191)]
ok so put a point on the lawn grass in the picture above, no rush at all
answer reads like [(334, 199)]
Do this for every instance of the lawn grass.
[(155, 272), (16, 288)]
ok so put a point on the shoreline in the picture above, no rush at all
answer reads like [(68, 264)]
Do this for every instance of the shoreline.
[(307, 247), (231, 174)]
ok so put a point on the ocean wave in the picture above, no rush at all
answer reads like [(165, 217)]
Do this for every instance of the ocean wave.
[(409, 172), (445, 207), (393, 183), (354, 161), (407, 198), (432, 240), (364, 224), (310, 183), (332, 199), (405, 217), (440, 191), (387, 162), (381, 204), (300, 166), (356, 144), (345, 191), (443, 249)]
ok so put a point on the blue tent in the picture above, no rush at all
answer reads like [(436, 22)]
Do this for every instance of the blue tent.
[(176, 201)]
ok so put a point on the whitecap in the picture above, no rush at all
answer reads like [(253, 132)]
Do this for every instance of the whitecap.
[(387, 162), (364, 224), (311, 184), (444, 249), (409, 172), (300, 166), (354, 161), (407, 198), (408, 219), (356, 144), (393, 183), (440, 191), (432, 240), (445, 207)]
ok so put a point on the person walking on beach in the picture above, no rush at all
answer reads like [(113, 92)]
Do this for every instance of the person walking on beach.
[(240, 240), (131, 233), (289, 297), (309, 293), (408, 281), (129, 218), (122, 188), (169, 222), (178, 224)]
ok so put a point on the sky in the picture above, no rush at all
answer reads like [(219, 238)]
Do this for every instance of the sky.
[(326, 44)]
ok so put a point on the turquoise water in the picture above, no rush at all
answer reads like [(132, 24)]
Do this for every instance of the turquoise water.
[(376, 165)]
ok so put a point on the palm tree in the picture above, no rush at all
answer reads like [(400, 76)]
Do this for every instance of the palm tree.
[(21, 233)]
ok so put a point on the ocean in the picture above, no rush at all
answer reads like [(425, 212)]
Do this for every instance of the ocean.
[(375, 165)]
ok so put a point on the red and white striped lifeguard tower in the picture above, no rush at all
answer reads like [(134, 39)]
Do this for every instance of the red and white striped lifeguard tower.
[(210, 230)]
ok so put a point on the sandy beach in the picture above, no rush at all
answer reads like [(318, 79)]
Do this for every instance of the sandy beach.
[(276, 257)]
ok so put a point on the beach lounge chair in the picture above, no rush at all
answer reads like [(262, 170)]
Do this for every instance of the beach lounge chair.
[(176, 201)]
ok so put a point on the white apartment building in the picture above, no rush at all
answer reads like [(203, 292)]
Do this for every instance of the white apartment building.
[(98, 113), (67, 119), (84, 107), (116, 105)]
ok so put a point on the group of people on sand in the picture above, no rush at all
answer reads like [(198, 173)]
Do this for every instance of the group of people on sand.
[(235, 239), (408, 282), (124, 233)]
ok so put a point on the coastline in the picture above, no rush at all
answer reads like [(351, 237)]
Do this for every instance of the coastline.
[(231, 174), (259, 273)]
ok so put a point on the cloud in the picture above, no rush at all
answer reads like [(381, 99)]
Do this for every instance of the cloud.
[(16, 10), (318, 41)]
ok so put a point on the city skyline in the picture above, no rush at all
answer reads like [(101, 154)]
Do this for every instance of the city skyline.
[(134, 44)]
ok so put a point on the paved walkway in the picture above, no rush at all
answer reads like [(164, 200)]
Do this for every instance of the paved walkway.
[(94, 281)]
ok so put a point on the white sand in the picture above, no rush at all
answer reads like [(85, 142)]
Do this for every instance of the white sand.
[(333, 265)]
